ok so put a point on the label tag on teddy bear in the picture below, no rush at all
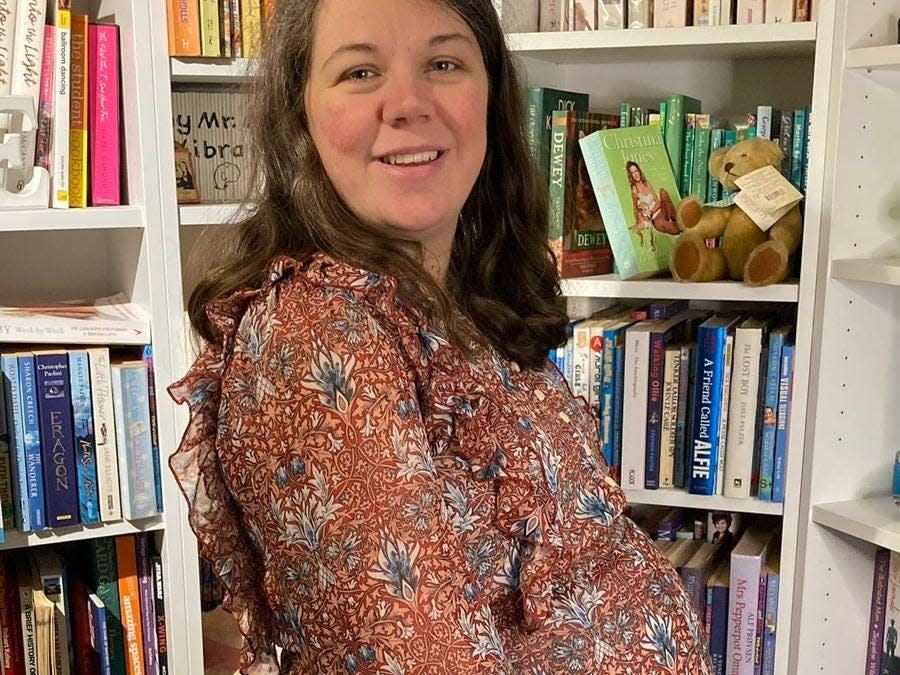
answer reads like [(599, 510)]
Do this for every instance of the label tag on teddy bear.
[(765, 196)]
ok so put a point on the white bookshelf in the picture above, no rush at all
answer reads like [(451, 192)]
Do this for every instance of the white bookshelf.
[(210, 71), (97, 218), (873, 270), (683, 499), (875, 58), (853, 393), (17, 540), (875, 520), (207, 214), (610, 286)]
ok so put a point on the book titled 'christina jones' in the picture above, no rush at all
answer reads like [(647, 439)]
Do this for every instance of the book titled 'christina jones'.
[(637, 195)]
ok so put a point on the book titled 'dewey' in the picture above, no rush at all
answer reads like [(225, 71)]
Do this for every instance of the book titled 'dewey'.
[(109, 320)]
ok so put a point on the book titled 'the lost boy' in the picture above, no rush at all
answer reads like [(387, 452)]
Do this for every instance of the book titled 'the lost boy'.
[(637, 195)]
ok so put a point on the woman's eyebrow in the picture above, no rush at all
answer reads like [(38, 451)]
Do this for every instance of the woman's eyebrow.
[(438, 40), (351, 48)]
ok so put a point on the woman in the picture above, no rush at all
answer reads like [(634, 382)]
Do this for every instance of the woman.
[(382, 467), (650, 211)]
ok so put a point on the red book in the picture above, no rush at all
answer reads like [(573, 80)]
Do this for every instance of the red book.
[(10, 621), (87, 661), (45, 105), (103, 111)]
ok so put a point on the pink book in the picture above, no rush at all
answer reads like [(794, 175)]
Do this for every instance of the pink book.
[(45, 102), (751, 11), (103, 104)]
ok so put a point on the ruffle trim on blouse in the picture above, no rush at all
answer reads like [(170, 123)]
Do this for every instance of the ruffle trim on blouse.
[(213, 514)]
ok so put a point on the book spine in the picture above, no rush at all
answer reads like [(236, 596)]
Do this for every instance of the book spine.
[(581, 360), (106, 578), (634, 412), (45, 104), (611, 15), (148, 607), (671, 13), (779, 11), (7, 620), (782, 433), (669, 413), (724, 401), (130, 604), (237, 38), (608, 202), (159, 599), (86, 660), (716, 138), (122, 442), (718, 628), (655, 378), (54, 585), (154, 425), (707, 410), (770, 413), (103, 111), (186, 28), (618, 402), (750, 11), (806, 140), (225, 27), (34, 470), (682, 421), (773, 585), (104, 435), (786, 142), (58, 441), (797, 157), (533, 106), (595, 369), (743, 605), (251, 27), (100, 633), (607, 395), (801, 10), (554, 15), (26, 612), (62, 80), (10, 494), (209, 28), (8, 10), (741, 434), (760, 621), (877, 612), (640, 13), (85, 449), (136, 445), (700, 170), (685, 185), (78, 114), (559, 132)]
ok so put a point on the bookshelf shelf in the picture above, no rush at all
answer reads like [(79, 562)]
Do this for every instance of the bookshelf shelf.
[(681, 498), (16, 539), (873, 519), (885, 57), (97, 218), (609, 286), (873, 270), (207, 214), (653, 44), (210, 70)]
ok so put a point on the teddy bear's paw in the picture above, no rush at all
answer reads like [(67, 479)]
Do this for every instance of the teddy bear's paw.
[(767, 264), (688, 213)]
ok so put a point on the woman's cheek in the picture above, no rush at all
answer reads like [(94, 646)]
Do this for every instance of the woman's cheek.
[(341, 131)]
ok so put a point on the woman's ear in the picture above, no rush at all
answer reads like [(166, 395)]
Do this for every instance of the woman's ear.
[(717, 162)]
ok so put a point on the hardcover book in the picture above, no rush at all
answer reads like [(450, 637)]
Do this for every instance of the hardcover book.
[(103, 114), (637, 195)]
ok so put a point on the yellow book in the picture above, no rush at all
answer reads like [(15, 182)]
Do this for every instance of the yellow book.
[(251, 27), (209, 28), (78, 114)]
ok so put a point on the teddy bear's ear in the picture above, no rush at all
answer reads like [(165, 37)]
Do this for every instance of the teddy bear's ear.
[(772, 154), (717, 161)]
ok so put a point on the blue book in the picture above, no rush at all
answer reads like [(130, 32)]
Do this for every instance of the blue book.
[(785, 395), (618, 402), (709, 383), (31, 427), (718, 597), (613, 343), (682, 419), (132, 413), (777, 340), (11, 412), (154, 431), (773, 582), (798, 149), (99, 633), (83, 426), (54, 397)]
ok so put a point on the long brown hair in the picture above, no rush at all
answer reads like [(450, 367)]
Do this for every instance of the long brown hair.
[(502, 274)]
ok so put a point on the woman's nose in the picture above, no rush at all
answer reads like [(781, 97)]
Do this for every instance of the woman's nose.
[(407, 99)]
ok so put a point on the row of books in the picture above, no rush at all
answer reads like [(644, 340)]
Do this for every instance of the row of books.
[(525, 16), (732, 575), (228, 28), (70, 69), (95, 608), (686, 400), (78, 437), (640, 152)]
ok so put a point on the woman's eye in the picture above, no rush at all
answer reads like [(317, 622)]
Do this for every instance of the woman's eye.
[(445, 66), (360, 75)]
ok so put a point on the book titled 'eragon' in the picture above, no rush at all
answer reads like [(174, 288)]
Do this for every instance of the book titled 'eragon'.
[(637, 195)]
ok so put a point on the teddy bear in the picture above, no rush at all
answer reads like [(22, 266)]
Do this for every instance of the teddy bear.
[(746, 252)]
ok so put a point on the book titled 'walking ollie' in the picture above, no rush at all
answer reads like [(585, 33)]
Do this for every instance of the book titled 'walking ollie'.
[(637, 195)]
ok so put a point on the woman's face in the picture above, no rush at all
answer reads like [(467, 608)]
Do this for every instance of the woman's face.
[(635, 173), (397, 102)]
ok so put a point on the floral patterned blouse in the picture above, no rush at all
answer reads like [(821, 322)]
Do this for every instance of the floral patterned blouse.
[(375, 501)]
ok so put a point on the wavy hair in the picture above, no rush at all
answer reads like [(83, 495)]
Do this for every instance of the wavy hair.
[(502, 274)]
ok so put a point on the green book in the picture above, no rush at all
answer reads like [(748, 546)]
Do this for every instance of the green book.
[(687, 155), (106, 579), (700, 168), (637, 195), (540, 103), (676, 107), (713, 187)]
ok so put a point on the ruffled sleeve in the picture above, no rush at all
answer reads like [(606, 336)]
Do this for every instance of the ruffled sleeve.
[(213, 514)]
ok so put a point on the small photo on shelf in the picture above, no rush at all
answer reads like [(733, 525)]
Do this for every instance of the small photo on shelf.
[(186, 188)]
